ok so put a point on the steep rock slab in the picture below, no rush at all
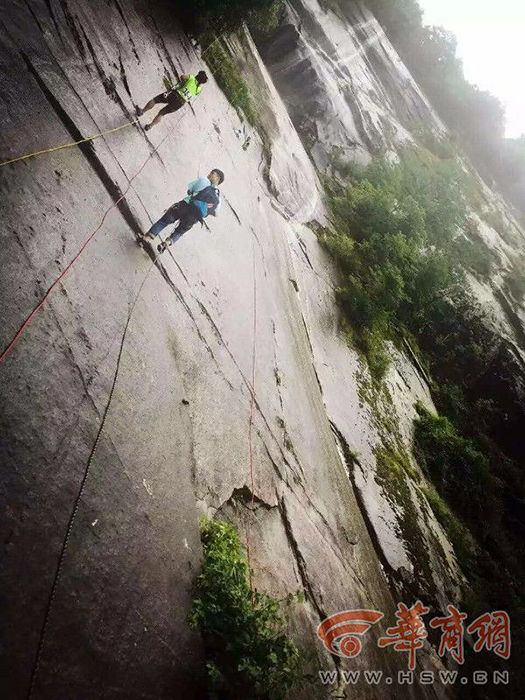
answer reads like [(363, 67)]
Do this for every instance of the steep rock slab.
[(410, 544), (176, 432), (118, 622), (343, 82)]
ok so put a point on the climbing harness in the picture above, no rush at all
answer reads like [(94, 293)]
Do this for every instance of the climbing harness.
[(68, 145), (78, 498)]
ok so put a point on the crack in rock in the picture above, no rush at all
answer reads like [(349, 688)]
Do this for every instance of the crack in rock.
[(249, 500), (130, 36), (304, 249), (53, 18), (124, 77), (107, 83), (87, 149), (350, 461), (166, 52), (70, 21), (301, 564), (176, 291), (250, 389), (232, 210), (33, 15), (303, 573), (179, 267), (86, 382)]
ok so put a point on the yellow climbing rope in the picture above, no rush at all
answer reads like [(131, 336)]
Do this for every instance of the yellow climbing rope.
[(69, 145)]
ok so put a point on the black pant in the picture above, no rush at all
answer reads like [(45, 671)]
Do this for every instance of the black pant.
[(171, 99), (186, 214)]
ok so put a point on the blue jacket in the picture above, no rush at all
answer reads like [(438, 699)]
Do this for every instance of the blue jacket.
[(196, 186)]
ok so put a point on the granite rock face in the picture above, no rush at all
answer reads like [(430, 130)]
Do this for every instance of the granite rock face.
[(245, 305), (349, 95), (342, 81), (175, 439)]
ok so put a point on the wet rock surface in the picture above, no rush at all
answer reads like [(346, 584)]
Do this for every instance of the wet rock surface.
[(363, 421), (342, 81), (175, 440), (350, 95)]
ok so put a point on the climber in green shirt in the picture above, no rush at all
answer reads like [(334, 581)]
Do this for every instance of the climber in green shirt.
[(189, 87)]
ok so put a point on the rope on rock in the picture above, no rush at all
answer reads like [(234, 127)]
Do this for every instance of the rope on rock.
[(78, 498), (250, 428), (68, 145), (65, 271)]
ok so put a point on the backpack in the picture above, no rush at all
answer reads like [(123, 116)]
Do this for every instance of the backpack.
[(210, 195)]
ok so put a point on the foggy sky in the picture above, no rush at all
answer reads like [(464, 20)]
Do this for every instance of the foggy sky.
[(491, 43)]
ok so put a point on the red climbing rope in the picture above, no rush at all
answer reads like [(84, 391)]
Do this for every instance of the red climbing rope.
[(65, 271), (76, 504), (250, 426)]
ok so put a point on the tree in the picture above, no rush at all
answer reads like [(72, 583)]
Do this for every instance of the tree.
[(476, 116), (219, 15)]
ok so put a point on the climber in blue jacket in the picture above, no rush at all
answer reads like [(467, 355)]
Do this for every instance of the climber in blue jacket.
[(203, 198)]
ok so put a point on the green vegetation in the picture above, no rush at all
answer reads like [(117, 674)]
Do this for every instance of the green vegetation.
[(457, 467), (473, 253), (384, 417), (211, 21), (219, 16), (265, 20), (401, 239), (399, 16), (392, 468), (393, 461), (476, 116), (231, 82), (394, 225), (441, 146), (249, 652), (464, 544), (469, 502)]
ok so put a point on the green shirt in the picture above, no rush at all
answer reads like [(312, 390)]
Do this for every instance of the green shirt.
[(189, 89)]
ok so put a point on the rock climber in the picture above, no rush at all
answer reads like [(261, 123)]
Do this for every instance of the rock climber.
[(203, 199), (186, 89)]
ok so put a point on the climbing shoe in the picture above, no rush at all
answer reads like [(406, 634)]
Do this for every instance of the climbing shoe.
[(162, 246), (145, 238)]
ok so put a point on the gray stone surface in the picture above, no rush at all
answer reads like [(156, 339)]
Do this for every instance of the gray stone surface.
[(175, 443), (343, 82), (175, 440)]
